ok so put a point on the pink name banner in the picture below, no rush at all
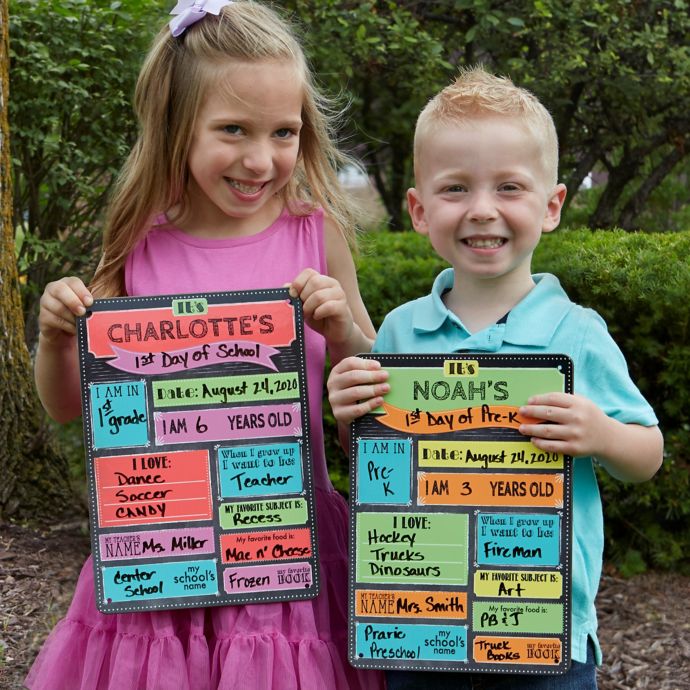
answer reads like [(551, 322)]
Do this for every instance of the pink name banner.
[(198, 450)]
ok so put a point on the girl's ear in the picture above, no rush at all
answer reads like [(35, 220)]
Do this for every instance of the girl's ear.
[(415, 208), (552, 217)]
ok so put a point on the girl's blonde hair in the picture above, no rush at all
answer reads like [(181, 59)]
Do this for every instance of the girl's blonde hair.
[(174, 80), (475, 93)]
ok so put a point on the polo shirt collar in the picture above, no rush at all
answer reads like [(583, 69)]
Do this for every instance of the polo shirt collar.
[(531, 322)]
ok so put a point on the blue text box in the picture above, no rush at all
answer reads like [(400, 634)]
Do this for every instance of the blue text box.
[(387, 641), (264, 470), (384, 468), (160, 581), (119, 415), (518, 539)]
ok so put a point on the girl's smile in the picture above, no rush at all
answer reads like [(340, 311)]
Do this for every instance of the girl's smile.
[(246, 188)]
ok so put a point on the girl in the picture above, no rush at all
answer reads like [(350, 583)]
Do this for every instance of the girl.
[(230, 186)]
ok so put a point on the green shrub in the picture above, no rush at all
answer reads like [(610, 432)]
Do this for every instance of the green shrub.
[(73, 66), (640, 284)]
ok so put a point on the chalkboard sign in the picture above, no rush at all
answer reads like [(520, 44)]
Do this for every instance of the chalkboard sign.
[(196, 427), (460, 526)]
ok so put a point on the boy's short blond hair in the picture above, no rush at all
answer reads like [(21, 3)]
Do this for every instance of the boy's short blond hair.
[(476, 93)]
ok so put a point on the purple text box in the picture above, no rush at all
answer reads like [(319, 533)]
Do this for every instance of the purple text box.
[(185, 541), (267, 578), (228, 423)]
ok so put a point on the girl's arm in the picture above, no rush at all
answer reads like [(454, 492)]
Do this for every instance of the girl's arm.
[(341, 266), (332, 303), (56, 369)]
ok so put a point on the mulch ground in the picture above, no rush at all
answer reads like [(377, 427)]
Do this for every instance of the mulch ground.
[(644, 621)]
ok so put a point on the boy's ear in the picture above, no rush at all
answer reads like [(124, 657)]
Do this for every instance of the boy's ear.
[(416, 210), (552, 217)]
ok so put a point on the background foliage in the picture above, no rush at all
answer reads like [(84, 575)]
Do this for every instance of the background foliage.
[(614, 73), (73, 65)]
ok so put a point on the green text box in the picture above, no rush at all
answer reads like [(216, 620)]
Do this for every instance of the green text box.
[(526, 617), (401, 548), (225, 389), (279, 512), (428, 388)]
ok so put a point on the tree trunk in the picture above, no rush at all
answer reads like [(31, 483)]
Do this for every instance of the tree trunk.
[(632, 209), (35, 478), (604, 215)]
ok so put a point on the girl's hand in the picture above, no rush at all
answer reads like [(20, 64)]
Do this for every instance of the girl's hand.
[(325, 305), (62, 301), (576, 426), (356, 387)]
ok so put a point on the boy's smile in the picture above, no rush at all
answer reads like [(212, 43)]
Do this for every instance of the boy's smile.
[(484, 198)]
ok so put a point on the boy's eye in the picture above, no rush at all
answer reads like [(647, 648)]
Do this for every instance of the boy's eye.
[(232, 129), (509, 187), (456, 188)]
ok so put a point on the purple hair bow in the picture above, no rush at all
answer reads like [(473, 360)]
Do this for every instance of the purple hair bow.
[(191, 11)]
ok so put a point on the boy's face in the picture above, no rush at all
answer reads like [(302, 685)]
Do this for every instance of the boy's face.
[(483, 197)]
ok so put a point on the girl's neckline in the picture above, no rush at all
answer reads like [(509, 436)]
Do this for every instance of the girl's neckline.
[(164, 224)]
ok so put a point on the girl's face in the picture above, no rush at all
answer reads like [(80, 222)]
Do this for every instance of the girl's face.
[(244, 150)]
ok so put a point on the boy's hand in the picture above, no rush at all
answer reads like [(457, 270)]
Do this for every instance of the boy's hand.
[(355, 387), (325, 305), (62, 301), (576, 426)]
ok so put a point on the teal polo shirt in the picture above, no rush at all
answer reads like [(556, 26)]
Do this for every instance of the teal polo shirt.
[(544, 321)]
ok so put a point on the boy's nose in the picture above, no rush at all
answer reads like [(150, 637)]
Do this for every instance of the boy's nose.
[(482, 208)]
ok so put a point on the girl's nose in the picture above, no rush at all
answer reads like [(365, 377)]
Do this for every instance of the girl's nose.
[(257, 157)]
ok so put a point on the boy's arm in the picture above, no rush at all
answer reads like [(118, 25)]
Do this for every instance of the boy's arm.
[(577, 427), (355, 387)]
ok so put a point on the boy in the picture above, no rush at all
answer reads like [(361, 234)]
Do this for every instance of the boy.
[(486, 161)]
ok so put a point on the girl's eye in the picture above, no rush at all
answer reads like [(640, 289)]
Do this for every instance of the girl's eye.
[(232, 129), (284, 133)]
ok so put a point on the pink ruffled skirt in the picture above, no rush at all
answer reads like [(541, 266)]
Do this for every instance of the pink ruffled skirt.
[(298, 645)]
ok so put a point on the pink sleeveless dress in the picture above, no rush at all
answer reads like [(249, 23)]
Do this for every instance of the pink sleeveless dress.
[(284, 646)]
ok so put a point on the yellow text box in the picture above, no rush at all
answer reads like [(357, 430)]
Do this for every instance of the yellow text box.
[(486, 454), (515, 584)]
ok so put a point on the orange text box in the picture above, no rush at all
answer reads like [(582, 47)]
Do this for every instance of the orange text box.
[(542, 651), (153, 488), (466, 488), (445, 421), (278, 545), (417, 604)]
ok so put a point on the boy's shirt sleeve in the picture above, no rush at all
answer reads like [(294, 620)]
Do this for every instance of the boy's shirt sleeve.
[(601, 374), (381, 338)]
